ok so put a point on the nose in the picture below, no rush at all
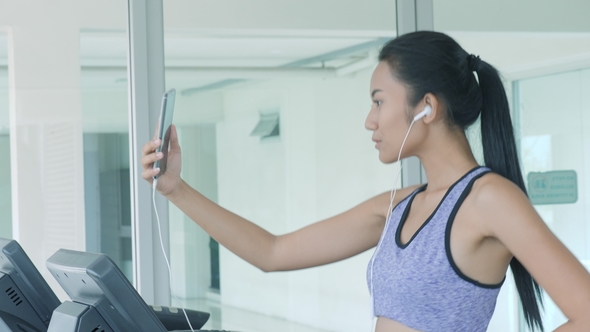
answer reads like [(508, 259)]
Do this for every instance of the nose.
[(371, 121)]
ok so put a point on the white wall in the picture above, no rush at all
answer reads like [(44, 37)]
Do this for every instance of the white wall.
[(508, 15), (4, 121), (46, 152), (5, 190), (45, 128)]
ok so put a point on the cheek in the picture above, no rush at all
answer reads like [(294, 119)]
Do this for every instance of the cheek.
[(393, 129), (392, 122)]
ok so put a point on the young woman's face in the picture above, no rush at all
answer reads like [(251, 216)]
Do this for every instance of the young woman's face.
[(388, 117)]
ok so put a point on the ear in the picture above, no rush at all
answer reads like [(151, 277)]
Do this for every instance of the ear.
[(432, 101)]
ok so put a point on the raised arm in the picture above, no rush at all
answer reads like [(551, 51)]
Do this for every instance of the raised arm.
[(327, 241), (507, 215)]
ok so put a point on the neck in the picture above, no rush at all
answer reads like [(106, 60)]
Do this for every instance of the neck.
[(446, 159)]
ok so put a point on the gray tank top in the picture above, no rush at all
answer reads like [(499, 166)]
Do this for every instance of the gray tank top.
[(417, 283)]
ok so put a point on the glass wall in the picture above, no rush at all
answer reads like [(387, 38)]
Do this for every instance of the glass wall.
[(554, 128), (541, 50), (68, 125), (46, 174), (103, 64), (270, 111), (5, 194)]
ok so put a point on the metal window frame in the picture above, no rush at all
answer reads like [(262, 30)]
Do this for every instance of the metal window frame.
[(146, 79)]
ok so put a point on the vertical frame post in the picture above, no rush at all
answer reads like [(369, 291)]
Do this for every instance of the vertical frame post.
[(146, 77)]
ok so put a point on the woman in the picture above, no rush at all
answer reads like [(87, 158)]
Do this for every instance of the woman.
[(444, 250)]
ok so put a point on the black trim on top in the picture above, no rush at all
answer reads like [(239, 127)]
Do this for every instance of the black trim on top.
[(402, 221), (413, 193), (458, 204), (403, 218)]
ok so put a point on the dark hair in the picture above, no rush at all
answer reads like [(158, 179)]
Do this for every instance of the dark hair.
[(432, 62)]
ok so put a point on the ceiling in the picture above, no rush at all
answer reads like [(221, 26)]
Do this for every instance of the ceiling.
[(208, 42), (190, 57), (104, 55)]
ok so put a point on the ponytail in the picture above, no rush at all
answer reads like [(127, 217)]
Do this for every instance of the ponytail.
[(499, 149)]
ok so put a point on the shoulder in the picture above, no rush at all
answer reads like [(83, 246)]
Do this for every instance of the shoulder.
[(498, 202), (492, 187)]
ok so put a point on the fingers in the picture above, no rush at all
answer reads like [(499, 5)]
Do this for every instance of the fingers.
[(150, 146), (148, 174), (148, 160)]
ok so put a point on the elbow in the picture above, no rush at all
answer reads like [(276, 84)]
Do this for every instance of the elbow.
[(267, 266), (266, 269), (267, 263)]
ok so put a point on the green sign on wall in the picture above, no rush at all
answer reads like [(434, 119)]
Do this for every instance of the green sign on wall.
[(555, 187)]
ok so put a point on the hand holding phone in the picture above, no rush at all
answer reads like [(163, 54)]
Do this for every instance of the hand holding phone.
[(165, 122)]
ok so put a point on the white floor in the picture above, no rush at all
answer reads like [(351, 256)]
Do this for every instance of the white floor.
[(234, 319)]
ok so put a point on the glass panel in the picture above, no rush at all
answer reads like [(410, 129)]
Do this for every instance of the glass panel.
[(525, 40), (555, 124), (46, 172), (312, 68), (103, 59), (57, 73), (5, 194)]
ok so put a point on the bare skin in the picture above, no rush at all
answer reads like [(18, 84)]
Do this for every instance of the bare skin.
[(495, 222)]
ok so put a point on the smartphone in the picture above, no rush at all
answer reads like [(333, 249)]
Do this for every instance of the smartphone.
[(164, 124)]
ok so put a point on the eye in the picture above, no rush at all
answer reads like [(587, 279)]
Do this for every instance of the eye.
[(377, 102)]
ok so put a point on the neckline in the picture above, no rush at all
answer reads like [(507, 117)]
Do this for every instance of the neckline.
[(402, 221)]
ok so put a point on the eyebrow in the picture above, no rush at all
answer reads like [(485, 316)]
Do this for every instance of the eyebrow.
[(374, 92)]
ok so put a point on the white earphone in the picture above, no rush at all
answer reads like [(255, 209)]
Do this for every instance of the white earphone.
[(427, 110)]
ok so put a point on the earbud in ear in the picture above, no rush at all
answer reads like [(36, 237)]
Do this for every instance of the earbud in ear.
[(427, 110)]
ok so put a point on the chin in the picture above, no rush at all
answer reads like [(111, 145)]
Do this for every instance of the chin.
[(386, 159)]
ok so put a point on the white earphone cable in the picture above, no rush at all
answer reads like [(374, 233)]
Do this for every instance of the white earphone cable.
[(155, 183), (389, 211)]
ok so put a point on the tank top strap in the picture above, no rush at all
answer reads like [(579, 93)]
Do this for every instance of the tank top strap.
[(401, 205), (458, 191), (398, 210)]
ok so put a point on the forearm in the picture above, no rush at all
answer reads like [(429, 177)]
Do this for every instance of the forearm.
[(240, 236)]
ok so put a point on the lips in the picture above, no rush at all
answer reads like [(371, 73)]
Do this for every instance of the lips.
[(377, 141)]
